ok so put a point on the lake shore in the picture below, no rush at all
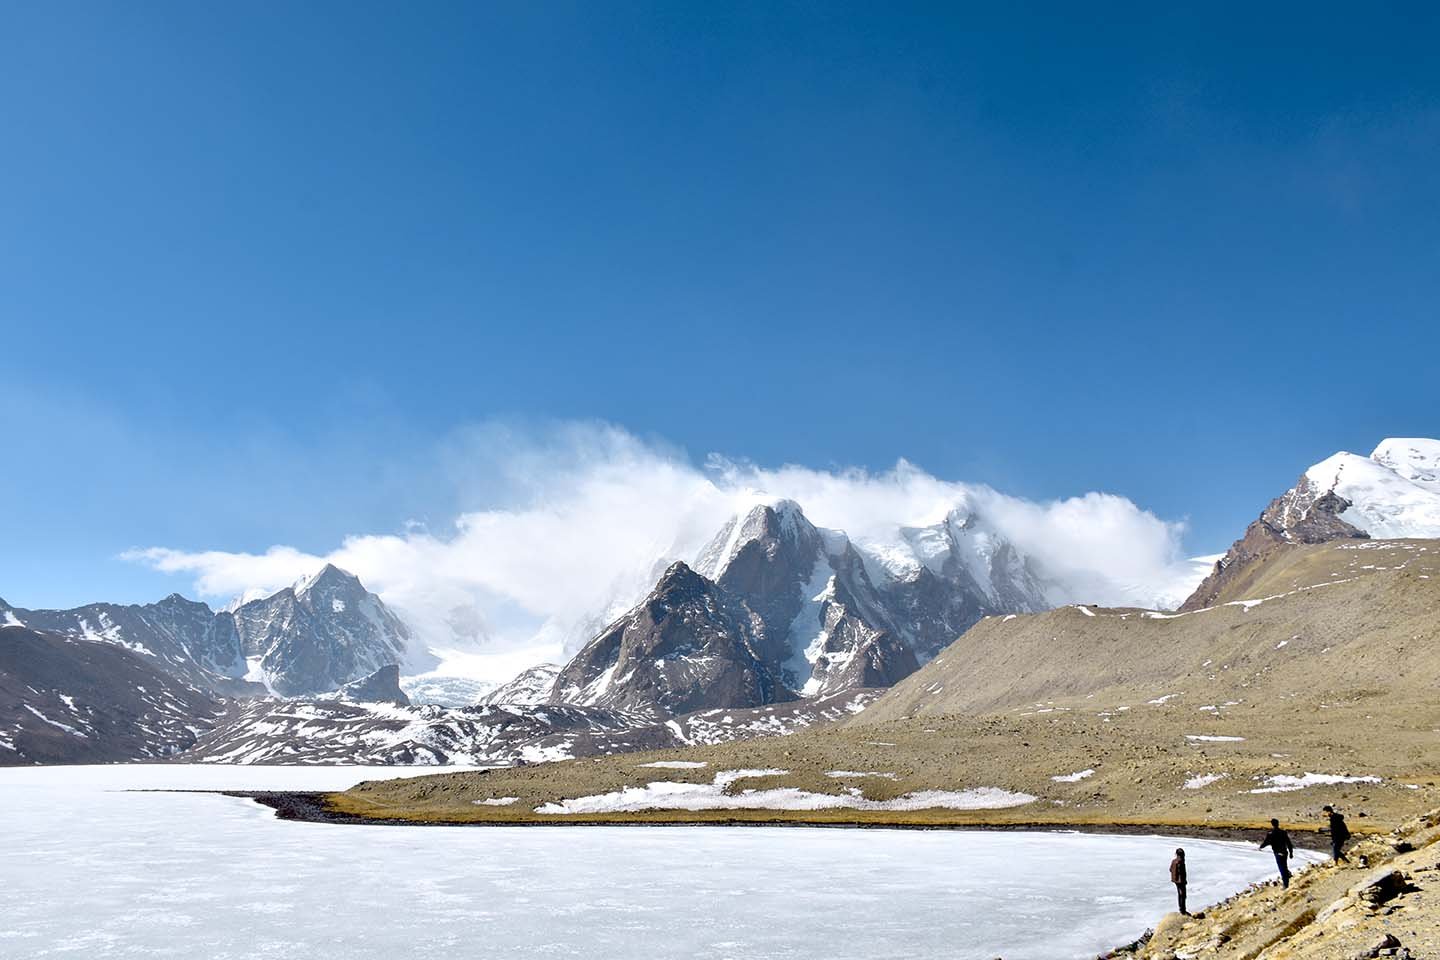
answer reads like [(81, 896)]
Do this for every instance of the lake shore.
[(321, 807)]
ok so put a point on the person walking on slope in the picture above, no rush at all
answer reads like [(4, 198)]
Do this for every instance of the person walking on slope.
[(1279, 843), (1177, 877), (1339, 833)]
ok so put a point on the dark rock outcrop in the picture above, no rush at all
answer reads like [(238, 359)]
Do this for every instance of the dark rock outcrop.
[(689, 645), (1303, 514)]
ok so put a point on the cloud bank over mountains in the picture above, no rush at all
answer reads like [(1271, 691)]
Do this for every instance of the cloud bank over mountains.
[(592, 514)]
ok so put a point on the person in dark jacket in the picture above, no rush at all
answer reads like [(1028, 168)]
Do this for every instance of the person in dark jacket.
[(1279, 843), (1339, 833), (1177, 877)]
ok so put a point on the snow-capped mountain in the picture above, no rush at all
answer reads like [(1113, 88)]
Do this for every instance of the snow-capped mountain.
[(777, 608), (826, 625), (532, 686), (1392, 494), (842, 614), (323, 632)]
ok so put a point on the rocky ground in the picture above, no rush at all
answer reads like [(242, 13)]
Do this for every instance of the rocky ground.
[(1385, 903)]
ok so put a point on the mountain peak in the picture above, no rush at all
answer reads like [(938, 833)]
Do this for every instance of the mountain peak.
[(678, 575), (327, 576), (774, 518)]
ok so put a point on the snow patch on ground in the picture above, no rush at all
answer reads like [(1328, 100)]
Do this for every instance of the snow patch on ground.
[(1074, 777), (677, 764), (667, 795), (497, 801), (57, 724), (1212, 738), (850, 774), (1284, 783), (1204, 780)]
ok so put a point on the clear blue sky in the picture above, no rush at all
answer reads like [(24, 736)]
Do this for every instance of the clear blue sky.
[(258, 261)]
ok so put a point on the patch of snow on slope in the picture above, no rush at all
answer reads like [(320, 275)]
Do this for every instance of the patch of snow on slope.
[(56, 723), (1284, 783), (1203, 780), (677, 764), (1074, 777), (850, 774), (667, 795), (1209, 738), (807, 630)]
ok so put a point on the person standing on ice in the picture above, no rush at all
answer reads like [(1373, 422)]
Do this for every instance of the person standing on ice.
[(1279, 843), (1339, 833), (1177, 877)]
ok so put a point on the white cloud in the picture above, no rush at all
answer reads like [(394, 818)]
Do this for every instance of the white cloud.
[(591, 514)]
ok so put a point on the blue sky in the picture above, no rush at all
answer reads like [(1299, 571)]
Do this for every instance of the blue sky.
[(266, 269)]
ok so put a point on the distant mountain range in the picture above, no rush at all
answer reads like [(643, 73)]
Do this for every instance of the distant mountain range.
[(775, 619), (309, 638)]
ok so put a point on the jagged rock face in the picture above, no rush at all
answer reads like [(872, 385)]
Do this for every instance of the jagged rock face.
[(766, 558), (1300, 515), (688, 646), (319, 634), (851, 654), (1393, 493), (185, 638), (903, 605), (382, 686), (64, 699)]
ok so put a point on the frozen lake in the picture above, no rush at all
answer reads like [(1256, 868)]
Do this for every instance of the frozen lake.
[(93, 873)]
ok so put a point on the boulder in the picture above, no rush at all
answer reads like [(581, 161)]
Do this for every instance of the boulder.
[(1381, 887)]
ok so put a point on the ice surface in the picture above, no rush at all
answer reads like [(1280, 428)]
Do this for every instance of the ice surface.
[(103, 875)]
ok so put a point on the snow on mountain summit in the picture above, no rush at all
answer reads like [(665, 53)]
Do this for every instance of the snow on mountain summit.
[(1414, 458), (1393, 493)]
